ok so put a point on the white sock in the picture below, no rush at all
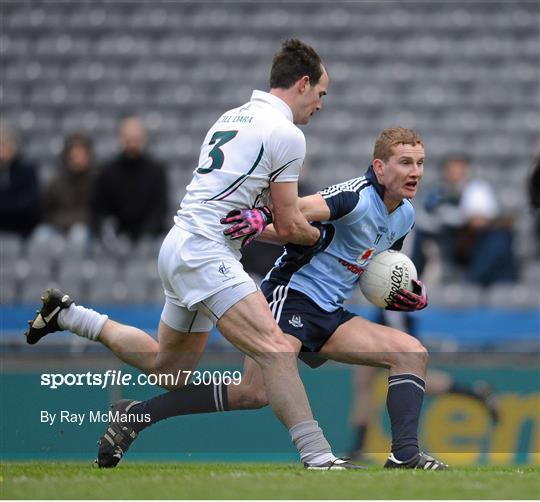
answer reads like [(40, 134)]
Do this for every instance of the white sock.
[(311, 443), (82, 321)]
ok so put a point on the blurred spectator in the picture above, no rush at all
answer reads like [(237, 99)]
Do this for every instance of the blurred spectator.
[(131, 190), (534, 196), (462, 216), (67, 197), (19, 188)]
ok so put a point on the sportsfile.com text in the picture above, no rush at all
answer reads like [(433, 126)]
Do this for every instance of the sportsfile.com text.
[(118, 377)]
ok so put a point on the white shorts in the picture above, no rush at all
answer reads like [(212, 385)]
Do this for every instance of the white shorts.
[(201, 278)]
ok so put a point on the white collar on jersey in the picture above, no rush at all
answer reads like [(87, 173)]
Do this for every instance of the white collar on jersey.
[(274, 101)]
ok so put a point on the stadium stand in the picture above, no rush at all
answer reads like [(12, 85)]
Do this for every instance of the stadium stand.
[(462, 74)]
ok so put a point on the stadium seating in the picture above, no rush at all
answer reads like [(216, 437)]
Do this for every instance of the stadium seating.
[(464, 75)]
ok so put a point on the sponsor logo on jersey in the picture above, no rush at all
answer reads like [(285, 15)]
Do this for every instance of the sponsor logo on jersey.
[(351, 267), (365, 256), (296, 321)]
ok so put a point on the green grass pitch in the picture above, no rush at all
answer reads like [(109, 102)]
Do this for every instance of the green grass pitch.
[(50, 480)]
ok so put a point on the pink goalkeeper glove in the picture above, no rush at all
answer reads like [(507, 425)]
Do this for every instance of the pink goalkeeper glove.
[(247, 223), (409, 301)]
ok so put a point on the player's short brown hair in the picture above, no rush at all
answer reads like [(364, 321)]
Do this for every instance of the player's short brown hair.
[(294, 60), (392, 136)]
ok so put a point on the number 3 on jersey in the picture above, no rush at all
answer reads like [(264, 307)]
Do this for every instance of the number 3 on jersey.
[(216, 154)]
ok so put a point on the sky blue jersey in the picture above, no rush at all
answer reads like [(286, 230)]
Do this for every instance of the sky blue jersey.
[(361, 226)]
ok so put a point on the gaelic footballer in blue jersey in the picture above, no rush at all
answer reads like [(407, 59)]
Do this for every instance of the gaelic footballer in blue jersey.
[(307, 287)]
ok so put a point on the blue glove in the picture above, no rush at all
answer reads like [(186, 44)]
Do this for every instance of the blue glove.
[(299, 253)]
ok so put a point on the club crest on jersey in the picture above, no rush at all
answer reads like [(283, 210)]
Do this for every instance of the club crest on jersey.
[(296, 321), (365, 256), (224, 271)]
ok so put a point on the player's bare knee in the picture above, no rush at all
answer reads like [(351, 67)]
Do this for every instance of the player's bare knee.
[(423, 354), (417, 355), (272, 341), (259, 399), (408, 353), (414, 346), (251, 397)]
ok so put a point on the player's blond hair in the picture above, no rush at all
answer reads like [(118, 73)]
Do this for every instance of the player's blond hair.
[(392, 136)]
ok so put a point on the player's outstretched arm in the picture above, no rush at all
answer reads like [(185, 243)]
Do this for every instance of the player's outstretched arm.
[(313, 207), (291, 216), (248, 224), (289, 222)]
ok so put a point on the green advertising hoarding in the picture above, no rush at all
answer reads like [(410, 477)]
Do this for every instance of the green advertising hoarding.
[(455, 427)]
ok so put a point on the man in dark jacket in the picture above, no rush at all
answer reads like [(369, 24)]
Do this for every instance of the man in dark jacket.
[(534, 197), (132, 188), (19, 188), (66, 199)]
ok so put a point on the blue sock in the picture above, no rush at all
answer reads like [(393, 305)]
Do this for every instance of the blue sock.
[(404, 402), (188, 400)]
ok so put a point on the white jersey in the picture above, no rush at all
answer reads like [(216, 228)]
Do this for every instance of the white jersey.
[(246, 149)]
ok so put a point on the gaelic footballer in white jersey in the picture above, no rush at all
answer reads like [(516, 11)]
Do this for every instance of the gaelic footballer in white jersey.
[(268, 147)]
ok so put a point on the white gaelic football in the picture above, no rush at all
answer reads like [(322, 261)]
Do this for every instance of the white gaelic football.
[(385, 274)]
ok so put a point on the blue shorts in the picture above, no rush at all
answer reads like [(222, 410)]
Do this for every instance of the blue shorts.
[(299, 316)]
